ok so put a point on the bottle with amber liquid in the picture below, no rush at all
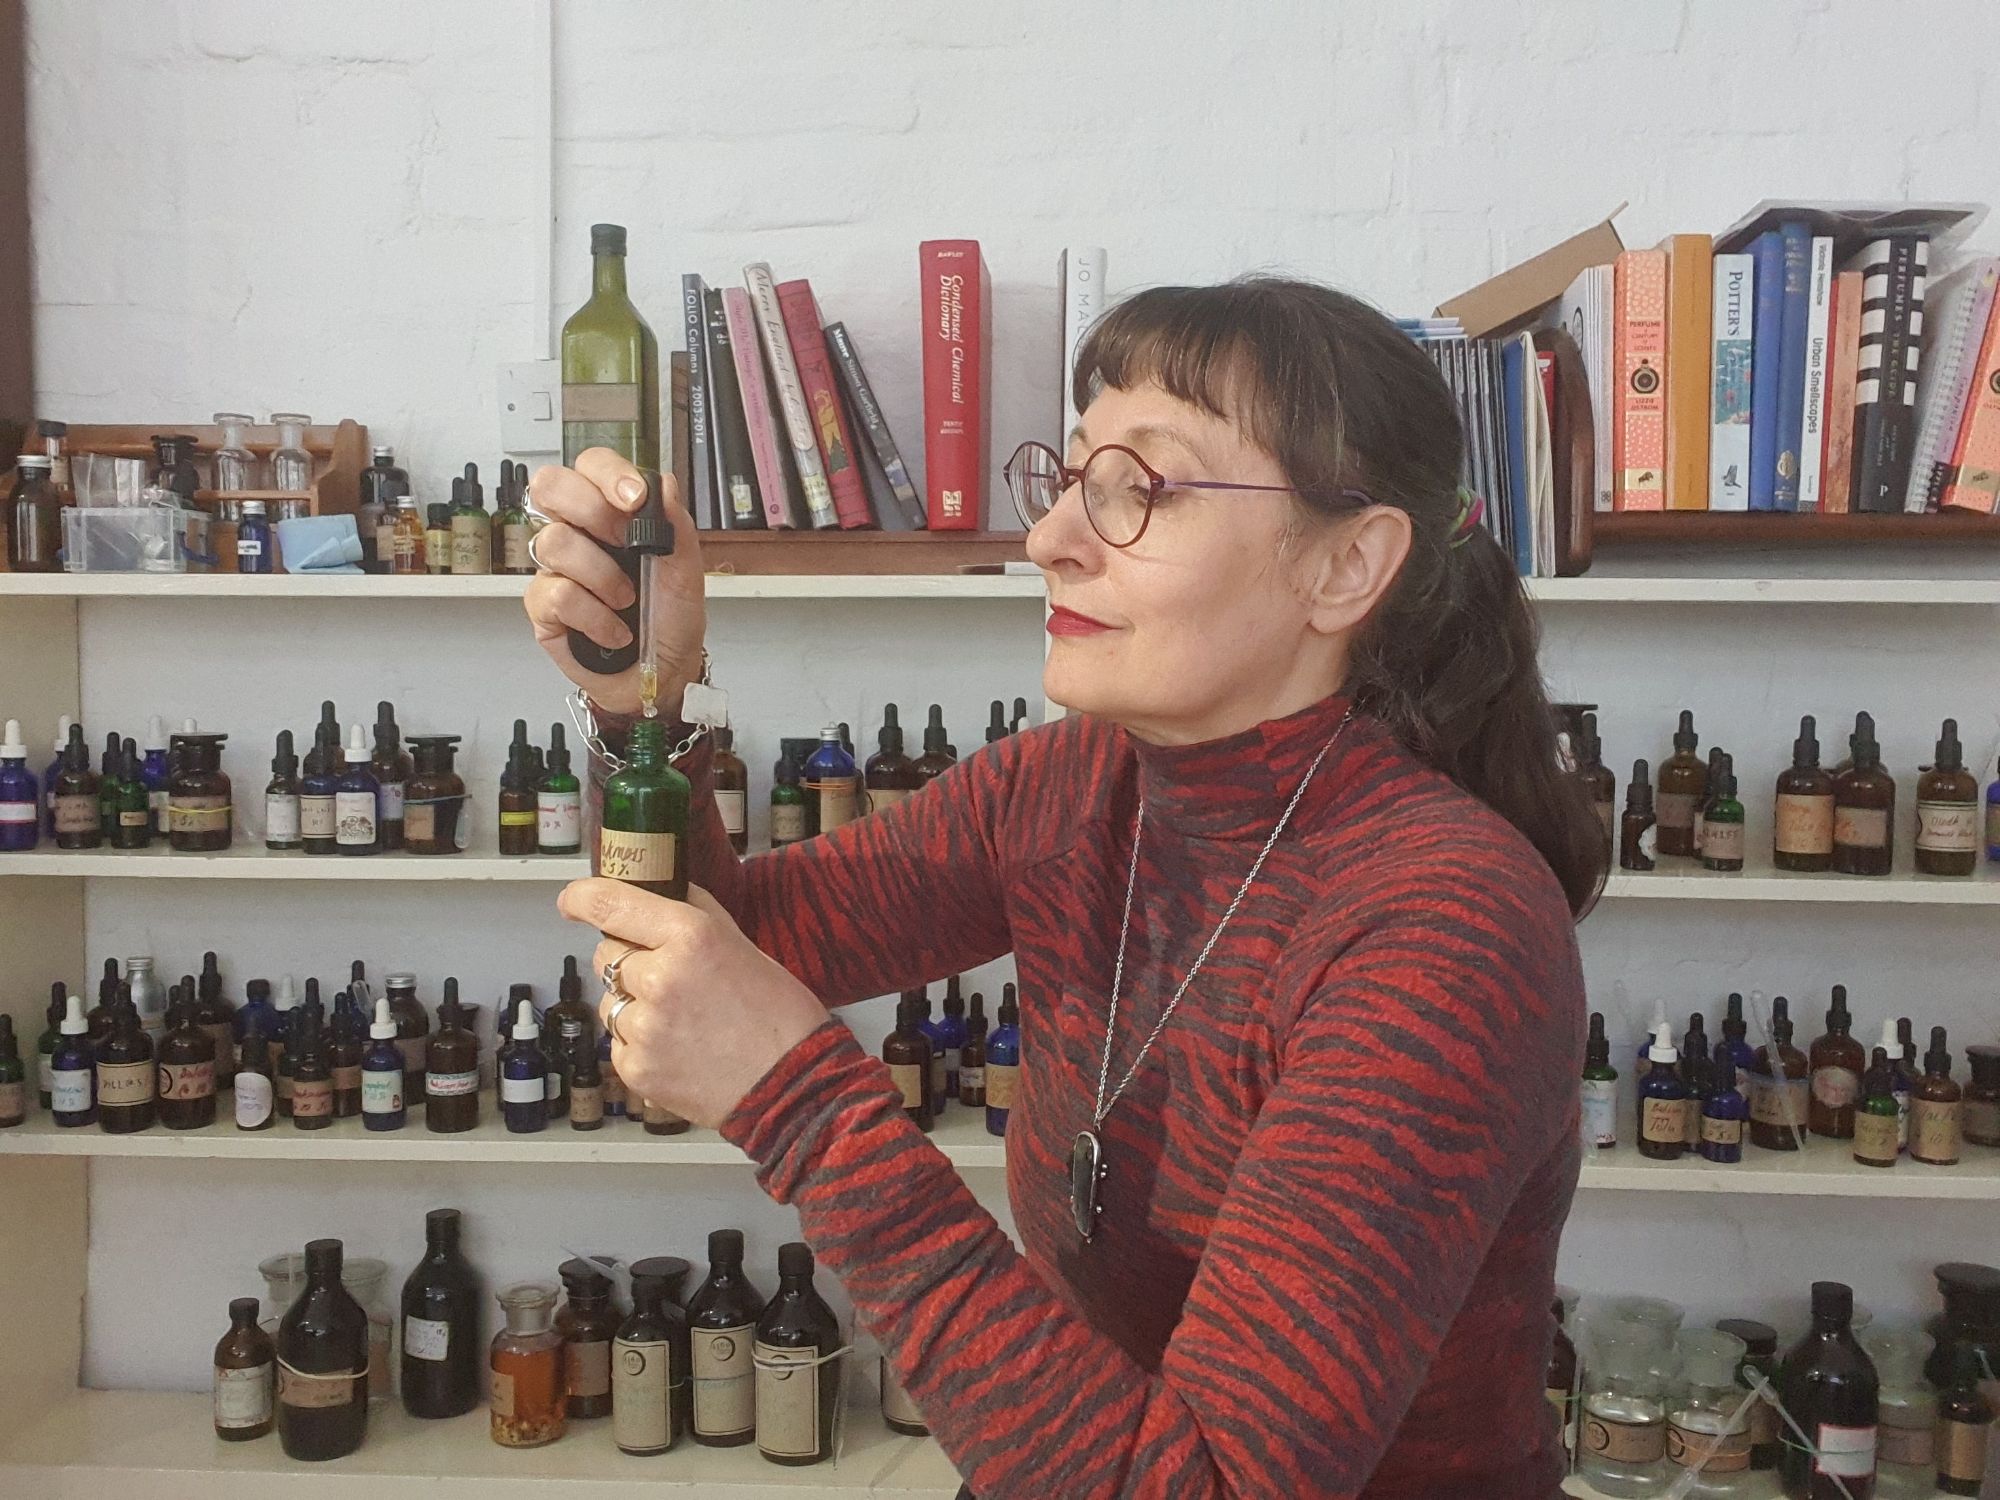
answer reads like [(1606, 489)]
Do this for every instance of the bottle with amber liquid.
[(433, 797), (1828, 1385), (187, 1067), (1864, 808), (642, 839), (127, 1072), (798, 1383), (732, 788), (529, 1405), (722, 1320), (907, 1051), (1802, 837), (568, 1023), (451, 1081), (311, 1068), (1599, 785), (1964, 1420), (322, 1364), (246, 1376), (588, 1322), (1934, 1106), (520, 814), (73, 797), (1683, 789), (890, 775), (585, 1083), (1779, 1088), (440, 1312), (972, 1057), (1637, 837), (199, 815), (1836, 1061), (1948, 811), (403, 528)]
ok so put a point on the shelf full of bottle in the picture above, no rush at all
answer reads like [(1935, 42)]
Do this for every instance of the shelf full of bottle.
[(1641, 1397), (181, 1071)]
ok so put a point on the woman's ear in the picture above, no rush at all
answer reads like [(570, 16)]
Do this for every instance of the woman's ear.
[(1352, 564)]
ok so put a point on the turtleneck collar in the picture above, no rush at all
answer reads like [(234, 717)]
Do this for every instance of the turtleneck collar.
[(1237, 786)]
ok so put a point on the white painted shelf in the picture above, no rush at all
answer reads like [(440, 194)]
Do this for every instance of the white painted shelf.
[(961, 1137), (1683, 880), (246, 861), (160, 1445), (1824, 1169)]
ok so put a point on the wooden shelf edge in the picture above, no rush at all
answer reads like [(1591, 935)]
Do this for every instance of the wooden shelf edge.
[(1780, 528), (815, 552)]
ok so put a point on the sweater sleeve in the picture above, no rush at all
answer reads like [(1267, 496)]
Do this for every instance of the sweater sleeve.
[(1420, 1084)]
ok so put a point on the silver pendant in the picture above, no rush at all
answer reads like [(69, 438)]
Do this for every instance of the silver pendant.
[(1086, 1171)]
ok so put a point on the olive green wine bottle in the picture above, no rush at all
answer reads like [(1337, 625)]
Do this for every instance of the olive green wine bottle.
[(610, 364)]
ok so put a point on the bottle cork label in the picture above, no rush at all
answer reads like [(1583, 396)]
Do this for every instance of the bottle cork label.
[(243, 1397), (614, 1091), (1721, 1132), (347, 1080), (1599, 1121), (788, 1401), (1875, 1138), (524, 1090), (1001, 1081), (839, 801), (307, 1392), (788, 822), (1722, 842), (503, 1394), (76, 814), (202, 814), (187, 1080), (1948, 827), (1623, 1442), (381, 1093), (1711, 1452), (1836, 1088), (1904, 1445), (1675, 809), (1961, 1450), (971, 1085), (1861, 827), (316, 818), (312, 1099), (730, 803), (641, 1411), (588, 1365), (18, 812), (1934, 1131), (1663, 1120), (1804, 824), (126, 1083), (909, 1081), (725, 1381), (647, 857)]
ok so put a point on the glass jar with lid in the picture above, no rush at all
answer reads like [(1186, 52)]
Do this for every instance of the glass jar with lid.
[(588, 1323), (1906, 1422), (291, 465), (236, 466), (1708, 1429), (526, 1360), (1622, 1431)]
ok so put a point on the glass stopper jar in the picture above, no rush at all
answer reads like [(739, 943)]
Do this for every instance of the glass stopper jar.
[(526, 1359), (588, 1323), (1708, 1429), (1622, 1433)]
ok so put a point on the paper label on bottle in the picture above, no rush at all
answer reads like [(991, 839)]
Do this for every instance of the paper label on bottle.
[(419, 822), (552, 1086), (203, 814), (788, 1401), (1663, 1119), (194, 1080), (659, 1114), (788, 822), (558, 820), (882, 798), (514, 539), (1600, 1112), (45, 1072), (157, 800), (451, 1085), (76, 814), (1779, 1103), (18, 812), (1961, 1450), (1711, 1452), (586, 1105), (249, 544), (126, 1083), (1722, 842), (971, 1081), (1875, 1138), (1993, 824), (253, 1100), (641, 1412), (588, 1365), (1836, 1087), (312, 1099), (730, 803), (1675, 809), (134, 818), (347, 1080), (896, 1403), (1979, 1121), (1804, 824), (381, 1094), (614, 1091), (612, 401), (645, 857), (304, 1392), (1934, 1130), (69, 1090), (243, 1397), (502, 1400), (937, 1075), (909, 1081), (725, 1381), (426, 1338), (471, 544), (1905, 1445), (354, 818), (1721, 1132), (1846, 1451), (416, 1052), (524, 1090), (389, 802), (316, 817), (1948, 827), (281, 818), (13, 1101), (1622, 1442), (1861, 827), (1001, 1081)]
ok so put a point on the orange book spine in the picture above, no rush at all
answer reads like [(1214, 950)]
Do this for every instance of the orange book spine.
[(1639, 405), (1690, 282), (1843, 358), (1975, 460)]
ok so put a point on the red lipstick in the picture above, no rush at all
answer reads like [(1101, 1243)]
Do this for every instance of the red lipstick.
[(1068, 622)]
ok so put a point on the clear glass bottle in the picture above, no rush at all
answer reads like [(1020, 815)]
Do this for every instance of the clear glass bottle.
[(291, 465), (528, 1404), (1905, 1442), (34, 531), (1622, 1437), (236, 467), (1708, 1429)]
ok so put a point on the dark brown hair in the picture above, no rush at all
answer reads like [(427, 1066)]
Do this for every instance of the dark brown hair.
[(1342, 398)]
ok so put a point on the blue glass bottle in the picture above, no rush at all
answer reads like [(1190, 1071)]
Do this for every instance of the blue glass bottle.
[(943, 1082), (357, 800), (382, 1104), (1993, 818), (154, 772), (253, 539), (73, 1069), (832, 785), (1003, 1063), (1724, 1112), (20, 794), (256, 1013), (951, 1034), (1663, 1100), (1736, 1036), (524, 1077)]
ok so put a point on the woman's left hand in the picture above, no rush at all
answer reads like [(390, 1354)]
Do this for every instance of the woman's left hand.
[(710, 1014)]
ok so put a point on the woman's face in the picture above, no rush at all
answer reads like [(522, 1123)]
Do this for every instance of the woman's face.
[(1210, 623)]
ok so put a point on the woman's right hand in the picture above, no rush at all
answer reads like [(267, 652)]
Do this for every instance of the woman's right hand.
[(579, 586)]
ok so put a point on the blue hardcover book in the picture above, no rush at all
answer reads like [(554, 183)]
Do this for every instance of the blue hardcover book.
[(1796, 240), (1513, 379), (1768, 285)]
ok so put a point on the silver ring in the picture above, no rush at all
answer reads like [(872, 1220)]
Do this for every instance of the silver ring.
[(534, 556), (619, 1000)]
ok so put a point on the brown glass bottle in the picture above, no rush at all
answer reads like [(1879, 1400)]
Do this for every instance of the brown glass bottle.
[(322, 1364), (216, 1016), (440, 1312), (659, 1120), (74, 796), (520, 815), (187, 1067), (907, 1051), (1778, 1087), (583, 1082), (451, 1080), (1802, 837), (1635, 848), (311, 1069), (127, 1072), (588, 1322), (1947, 811), (937, 757), (246, 1370), (1864, 808), (346, 1046), (722, 1322), (1836, 1061), (1934, 1105), (433, 796), (890, 774), (1829, 1387), (413, 1028), (1683, 786), (568, 1025), (200, 818), (732, 789), (972, 1057), (1964, 1418), (1979, 1108), (1599, 785), (796, 1407)]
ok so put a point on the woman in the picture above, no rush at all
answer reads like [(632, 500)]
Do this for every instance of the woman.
[(1291, 895)]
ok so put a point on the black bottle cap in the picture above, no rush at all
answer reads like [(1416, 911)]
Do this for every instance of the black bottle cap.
[(722, 737), (1684, 737), (795, 1259), (954, 1001), (243, 1311), (651, 532), (7, 1042), (475, 492), (1950, 754), (1805, 749), (441, 1223), (1862, 745), (1832, 1301), (1937, 1059), (570, 986), (1781, 1010), (1588, 748), (257, 989), (1761, 1338), (285, 762), (934, 739), (607, 239), (1020, 714), (323, 1259), (1639, 790), (1722, 778), (585, 1278), (846, 737), (891, 737), (1010, 1007), (906, 1011), (1984, 1060), (1838, 1018), (48, 429), (996, 721), (59, 1004), (437, 515), (558, 764), (1597, 1048), (665, 1273), (1963, 1280), (725, 1247), (978, 1009), (1733, 1024)]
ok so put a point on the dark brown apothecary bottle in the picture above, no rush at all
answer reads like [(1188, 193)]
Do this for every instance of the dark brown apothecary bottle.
[(1836, 1062), (1598, 783), (520, 806), (1979, 1107), (186, 1087), (74, 797), (200, 818), (585, 1083), (451, 1081), (1778, 1087), (1635, 851), (127, 1072), (972, 1057), (311, 1069), (890, 775), (246, 1370), (796, 1408), (1802, 834), (1964, 1420), (322, 1342), (1947, 811), (442, 1348), (1934, 1105), (732, 789), (588, 1322), (907, 1051), (567, 1023), (1828, 1386), (1683, 788), (722, 1323), (1864, 808), (433, 797)]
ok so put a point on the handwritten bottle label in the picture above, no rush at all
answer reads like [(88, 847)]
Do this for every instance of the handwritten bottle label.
[(304, 1391), (1623, 1442), (316, 819), (589, 1367), (1001, 1081), (558, 820), (187, 1080), (126, 1083), (1664, 1120), (1711, 1452), (647, 857), (381, 1093), (838, 798), (451, 1085), (1948, 827), (1861, 827), (1779, 1103), (882, 798), (253, 1100), (1721, 1132), (909, 1081), (1722, 842), (197, 814), (725, 1381), (1600, 1112), (69, 1090), (1804, 824), (730, 804), (13, 1102), (1675, 810), (788, 822), (76, 814), (426, 1338), (243, 1397), (312, 1098), (788, 1401), (1934, 1131)]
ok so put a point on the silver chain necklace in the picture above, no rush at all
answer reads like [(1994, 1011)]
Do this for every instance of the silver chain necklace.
[(1087, 1168)]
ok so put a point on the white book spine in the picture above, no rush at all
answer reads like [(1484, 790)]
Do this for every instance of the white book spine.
[(1734, 302), (1080, 270), (763, 289), (1812, 430)]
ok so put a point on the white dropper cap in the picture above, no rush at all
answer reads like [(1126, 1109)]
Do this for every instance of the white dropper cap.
[(384, 1027), (1889, 1043), (287, 996), (357, 745), (156, 733), (1659, 1014), (188, 727), (73, 1023), (525, 1029), (1663, 1049), (13, 749), (62, 733)]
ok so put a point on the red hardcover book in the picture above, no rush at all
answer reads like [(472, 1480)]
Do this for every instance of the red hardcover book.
[(957, 304), (836, 443)]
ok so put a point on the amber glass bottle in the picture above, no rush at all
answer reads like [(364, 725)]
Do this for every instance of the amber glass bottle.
[(1948, 811), (732, 789), (1802, 839), (937, 757), (127, 1072), (1864, 808), (798, 1387), (1836, 1060), (588, 1322), (520, 815), (907, 1051), (1979, 1109), (1778, 1087), (972, 1057), (451, 1079), (322, 1363), (1934, 1105), (890, 774), (199, 815), (440, 1312), (1636, 840), (246, 1368), (528, 1408), (187, 1067), (1683, 788), (1599, 785), (433, 797)]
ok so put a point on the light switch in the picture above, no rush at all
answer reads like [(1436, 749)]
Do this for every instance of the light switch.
[(530, 413)]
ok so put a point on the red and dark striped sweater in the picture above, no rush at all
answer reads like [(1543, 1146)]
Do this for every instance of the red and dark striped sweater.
[(1326, 1258)]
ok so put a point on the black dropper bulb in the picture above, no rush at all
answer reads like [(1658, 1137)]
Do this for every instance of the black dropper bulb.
[(1597, 1047), (1020, 715), (1589, 748), (570, 986), (891, 737), (475, 495), (558, 751), (1734, 1027), (1867, 752), (846, 737), (1684, 737), (934, 742), (1721, 1069), (1950, 754), (1937, 1059), (1639, 790), (285, 761), (1837, 1016), (996, 721), (1722, 776), (1805, 749)]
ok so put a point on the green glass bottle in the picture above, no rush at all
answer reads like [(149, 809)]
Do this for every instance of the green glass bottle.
[(132, 826), (643, 838), (1722, 821), (610, 364)]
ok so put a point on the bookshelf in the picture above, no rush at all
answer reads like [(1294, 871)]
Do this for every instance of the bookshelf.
[(1708, 528)]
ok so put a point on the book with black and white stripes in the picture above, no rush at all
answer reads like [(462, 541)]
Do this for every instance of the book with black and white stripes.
[(1885, 388)]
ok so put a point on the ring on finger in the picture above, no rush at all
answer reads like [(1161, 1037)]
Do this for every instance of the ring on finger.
[(619, 1000), (534, 556)]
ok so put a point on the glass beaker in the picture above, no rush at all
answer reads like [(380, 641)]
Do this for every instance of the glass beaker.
[(1622, 1436), (1907, 1409), (291, 465), (1708, 1429)]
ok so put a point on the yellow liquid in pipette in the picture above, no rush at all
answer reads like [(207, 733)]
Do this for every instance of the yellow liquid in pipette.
[(649, 689)]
